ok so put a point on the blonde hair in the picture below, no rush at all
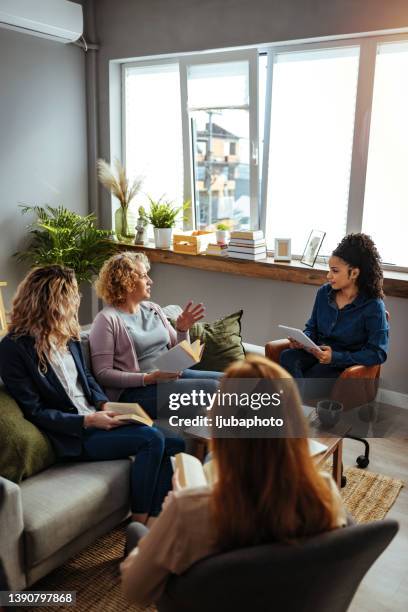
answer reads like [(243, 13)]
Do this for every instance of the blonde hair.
[(45, 306), (117, 276)]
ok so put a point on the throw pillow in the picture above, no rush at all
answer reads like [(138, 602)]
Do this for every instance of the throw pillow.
[(222, 339), (24, 449)]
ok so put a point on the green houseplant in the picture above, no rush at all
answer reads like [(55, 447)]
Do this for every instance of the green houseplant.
[(117, 183), (60, 236), (162, 215), (222, 233)]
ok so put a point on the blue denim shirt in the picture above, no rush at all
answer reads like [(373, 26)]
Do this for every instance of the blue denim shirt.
[(357, 333)]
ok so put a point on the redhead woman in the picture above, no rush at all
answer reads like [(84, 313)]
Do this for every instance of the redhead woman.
[(266, 490), (42, 366), (130, 333)]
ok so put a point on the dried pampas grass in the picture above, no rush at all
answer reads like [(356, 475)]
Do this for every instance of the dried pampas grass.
[(118, 183)]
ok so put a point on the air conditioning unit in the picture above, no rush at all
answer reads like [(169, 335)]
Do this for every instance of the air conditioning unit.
[(59, 20)]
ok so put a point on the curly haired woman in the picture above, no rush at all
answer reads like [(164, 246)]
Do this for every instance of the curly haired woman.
[(131, 332), (42, 366), (348, 320)]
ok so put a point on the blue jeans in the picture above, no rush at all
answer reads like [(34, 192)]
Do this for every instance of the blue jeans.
[(151, 470), (304, 366), (189, 380)]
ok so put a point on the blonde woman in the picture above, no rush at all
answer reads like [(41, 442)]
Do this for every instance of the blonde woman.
[(131, 332), (42, 366), (267, 490)]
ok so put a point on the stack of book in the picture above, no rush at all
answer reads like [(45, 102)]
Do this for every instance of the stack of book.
[(247, 245), (217, 249)]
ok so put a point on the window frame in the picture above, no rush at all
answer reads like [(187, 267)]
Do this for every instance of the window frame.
[(368, 44), (184, 61), (136, 64)]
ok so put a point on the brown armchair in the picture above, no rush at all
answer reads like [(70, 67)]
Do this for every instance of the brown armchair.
[(363, 393), (351, 396)]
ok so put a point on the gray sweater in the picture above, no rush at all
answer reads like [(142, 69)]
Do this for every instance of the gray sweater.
[(115, 363)]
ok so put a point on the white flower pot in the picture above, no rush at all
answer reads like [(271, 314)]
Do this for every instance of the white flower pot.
[(222, 236), (162, 237)]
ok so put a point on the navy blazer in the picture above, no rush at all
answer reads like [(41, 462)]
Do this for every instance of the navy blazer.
[(42, 398)]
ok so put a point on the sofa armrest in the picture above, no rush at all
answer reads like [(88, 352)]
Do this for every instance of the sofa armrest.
[(274, 348), (254, 349), (12, 527)]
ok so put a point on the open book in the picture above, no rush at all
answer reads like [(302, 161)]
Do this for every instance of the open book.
[(129, 413), (192, 473), (182, 356)]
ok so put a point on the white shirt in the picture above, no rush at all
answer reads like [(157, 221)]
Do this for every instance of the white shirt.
[(64, 367)]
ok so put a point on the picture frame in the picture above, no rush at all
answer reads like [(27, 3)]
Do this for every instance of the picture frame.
[(312, 247), (283, 249)]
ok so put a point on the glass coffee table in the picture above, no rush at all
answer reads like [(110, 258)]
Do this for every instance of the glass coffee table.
[(333, 440)]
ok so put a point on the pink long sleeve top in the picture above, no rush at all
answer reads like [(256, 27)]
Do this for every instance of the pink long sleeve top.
[(113, 355)]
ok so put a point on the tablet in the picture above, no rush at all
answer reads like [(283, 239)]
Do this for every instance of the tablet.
[(299, 336)]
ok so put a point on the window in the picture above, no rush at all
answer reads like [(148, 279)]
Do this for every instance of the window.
[(153, 137), (289, 138), (222, 116), (310, 145), (385, 215)]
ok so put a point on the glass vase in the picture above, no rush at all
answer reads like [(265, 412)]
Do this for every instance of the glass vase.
[(125, 224)]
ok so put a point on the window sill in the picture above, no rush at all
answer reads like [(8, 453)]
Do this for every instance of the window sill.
[(395, 283)]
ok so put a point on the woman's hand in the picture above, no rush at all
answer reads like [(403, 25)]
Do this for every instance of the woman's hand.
[(176, 482), (102, 420), (294, 344), (324, 354), (176, 487), (190, 315), (167, 499), (153, 377)]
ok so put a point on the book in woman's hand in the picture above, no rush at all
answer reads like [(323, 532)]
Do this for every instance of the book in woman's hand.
[(130, 413), (182, 356), (191, 472)]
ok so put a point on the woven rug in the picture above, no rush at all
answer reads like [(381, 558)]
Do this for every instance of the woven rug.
[(94, 574)]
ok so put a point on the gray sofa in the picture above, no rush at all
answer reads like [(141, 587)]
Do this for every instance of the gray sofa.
[(53, 515)]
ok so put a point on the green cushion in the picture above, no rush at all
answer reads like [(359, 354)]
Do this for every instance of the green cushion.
[(24, 449), (223, 342)]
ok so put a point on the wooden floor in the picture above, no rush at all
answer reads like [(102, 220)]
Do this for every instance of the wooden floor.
[(385, 587)]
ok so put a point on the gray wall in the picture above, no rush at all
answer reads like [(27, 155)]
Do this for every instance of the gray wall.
[(128, 28), (266, 304), (43, 156)]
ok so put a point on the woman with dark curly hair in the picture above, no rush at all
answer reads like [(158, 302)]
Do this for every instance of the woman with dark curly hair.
[(348, 320)]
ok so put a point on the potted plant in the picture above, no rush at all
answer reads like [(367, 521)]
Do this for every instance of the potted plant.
[(162, 215), (222, 233), (60, 236), (119, 186)]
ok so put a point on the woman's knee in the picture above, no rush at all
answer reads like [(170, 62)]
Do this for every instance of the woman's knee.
[(155, 439), (174, 445), (286, 358)]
